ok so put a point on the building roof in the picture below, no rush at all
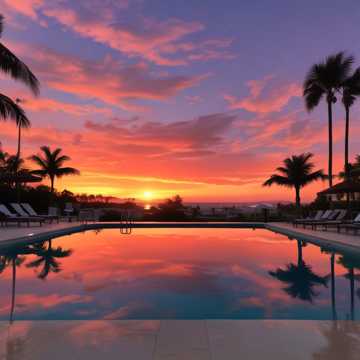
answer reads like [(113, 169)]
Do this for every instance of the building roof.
[(342, 187)]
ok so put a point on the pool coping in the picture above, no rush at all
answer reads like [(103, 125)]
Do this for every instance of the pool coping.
[(274, 227)]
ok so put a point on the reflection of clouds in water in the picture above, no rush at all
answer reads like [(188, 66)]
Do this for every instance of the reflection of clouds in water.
[(214, 272), (31, 302), (101, 333), (127, 310)]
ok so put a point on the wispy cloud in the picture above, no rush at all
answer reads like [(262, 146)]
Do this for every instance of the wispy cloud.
[(163, 42), (266, 96), (107, 80)]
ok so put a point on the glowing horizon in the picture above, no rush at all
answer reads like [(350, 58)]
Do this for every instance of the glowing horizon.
[(151, 101)]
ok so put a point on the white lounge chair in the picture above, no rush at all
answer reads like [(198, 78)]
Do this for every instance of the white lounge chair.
[(32, 212), (8, 216)]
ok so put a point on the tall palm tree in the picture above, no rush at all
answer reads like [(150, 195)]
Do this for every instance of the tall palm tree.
[(51, 165), (350, 90), (10, 64), (296, 173), (324, 80)]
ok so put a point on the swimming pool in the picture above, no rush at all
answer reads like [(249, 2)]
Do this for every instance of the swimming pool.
[(177, 274)]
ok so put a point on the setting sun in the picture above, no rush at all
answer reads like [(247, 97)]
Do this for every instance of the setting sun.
[(148, 195)]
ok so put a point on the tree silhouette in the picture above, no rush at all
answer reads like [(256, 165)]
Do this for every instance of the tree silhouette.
[(324, 80), (296, 173), (13, 257), (47, 256), (299, 278), (351, 263), (11, 65), (51, 165), (350, 91)]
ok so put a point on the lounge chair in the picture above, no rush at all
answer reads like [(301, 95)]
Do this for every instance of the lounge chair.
[(8, 216), (329, 215), (317, 216), (353, 225), (69, 210), (336, 219), (324, 217), (29, 209)]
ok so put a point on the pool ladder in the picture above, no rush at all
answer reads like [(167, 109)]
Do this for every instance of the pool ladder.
[(126, 222)]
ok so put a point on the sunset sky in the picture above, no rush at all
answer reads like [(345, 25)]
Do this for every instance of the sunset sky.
[(197, 98)]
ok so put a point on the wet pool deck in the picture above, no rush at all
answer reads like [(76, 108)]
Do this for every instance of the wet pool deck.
[(180, 339)]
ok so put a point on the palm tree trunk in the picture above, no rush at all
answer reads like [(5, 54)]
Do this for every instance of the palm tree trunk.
[(52, 184), (329, 102), (297, 198), (300, 256), (347, 121), (19, 142), (352, 292), (52, 197), (13, 290), (333, 299), (18, 159)]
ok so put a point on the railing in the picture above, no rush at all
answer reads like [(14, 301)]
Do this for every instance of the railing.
[(126, 222)]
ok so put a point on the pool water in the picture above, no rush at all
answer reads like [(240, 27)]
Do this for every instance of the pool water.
[(177, 274)]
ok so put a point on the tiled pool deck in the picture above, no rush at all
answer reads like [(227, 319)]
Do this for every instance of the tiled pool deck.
[(181, 339)]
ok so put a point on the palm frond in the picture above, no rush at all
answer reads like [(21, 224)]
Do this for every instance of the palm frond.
[(10, 64), (39, 161), (312, 96), (67, 171), (1, 24), (10, 110), (278, 180), (326, 77)]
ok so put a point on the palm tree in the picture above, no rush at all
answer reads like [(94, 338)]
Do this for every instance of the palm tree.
[(351, 263), (13, 257), (47, 258), (325, 79), (296, 173), (350, 90), (10, 64), (299, 278), (22, 123), (51, 165)]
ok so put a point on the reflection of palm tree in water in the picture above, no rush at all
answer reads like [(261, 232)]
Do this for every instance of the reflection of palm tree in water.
[(333, 299), (351, 263), (300, 278), (47, 258), (15, 257)]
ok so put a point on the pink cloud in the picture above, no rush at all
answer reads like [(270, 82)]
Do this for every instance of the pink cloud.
[(24, 7), (107, 80), (265, 97), (158, 41), (198, 133)]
